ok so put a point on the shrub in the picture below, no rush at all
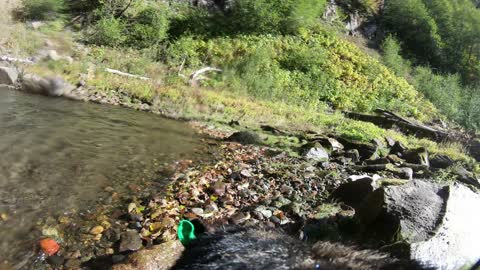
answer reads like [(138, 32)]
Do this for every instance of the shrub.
[(108, 32), (393, 59), (150, 27), (444, 91), (42, 9)]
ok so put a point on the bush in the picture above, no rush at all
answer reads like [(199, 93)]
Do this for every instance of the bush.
[(393, 59), (249, 17), (42, 9), (445, 92), (149, 28), (108, 32)]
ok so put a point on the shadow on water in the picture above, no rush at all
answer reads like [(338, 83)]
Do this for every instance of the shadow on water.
[(57, 156)]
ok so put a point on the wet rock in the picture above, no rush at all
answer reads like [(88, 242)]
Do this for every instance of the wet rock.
[(8, 76), (56, 261), (441, 162), (314, 151), (97, 230), (159, 257), (410, 212), (354, 192), (130, 241), (245, 137)]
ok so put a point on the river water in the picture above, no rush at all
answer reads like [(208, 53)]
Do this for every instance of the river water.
[(57, 157)]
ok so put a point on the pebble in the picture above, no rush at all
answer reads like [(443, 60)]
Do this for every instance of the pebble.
[(130, 241), (56, 261), (97, 230)]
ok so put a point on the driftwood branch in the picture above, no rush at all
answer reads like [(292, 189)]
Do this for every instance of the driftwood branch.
[(195, 76), (17, 60), (120, 73)]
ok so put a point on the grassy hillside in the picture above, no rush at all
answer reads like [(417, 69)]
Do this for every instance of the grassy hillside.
[(294, 79)]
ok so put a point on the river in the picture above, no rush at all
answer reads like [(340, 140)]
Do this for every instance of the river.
[(57, 157)]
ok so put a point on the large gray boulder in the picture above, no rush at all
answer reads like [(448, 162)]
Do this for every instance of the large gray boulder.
[(8, 76), (457, 240), (54, 86), (438, 222)]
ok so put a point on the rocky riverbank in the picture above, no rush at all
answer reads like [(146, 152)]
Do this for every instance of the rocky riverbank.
[(322, 194)]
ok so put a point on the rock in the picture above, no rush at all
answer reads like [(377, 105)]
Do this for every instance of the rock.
[(36, 24), (410, 212), (377, 161), (353, 155), (159, 257), (365, 150), (457, 240), (398, 149), (56, 261), (390, 141), (97, 230), (404, 173), (466, 177), (245, 137), (315, 152), (130, 241), (264, 211), (197, 211), (441, 162), (49, 246), (8, 76), (46, 86), (281, 201), (474, 149), (219, 188), (240, 217), (53, 55), (329, 143), (417, 156), (354, 193)]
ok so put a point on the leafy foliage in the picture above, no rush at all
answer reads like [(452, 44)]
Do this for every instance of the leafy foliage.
[(108, 32), (42, 9), (310, 69), (149, 27)]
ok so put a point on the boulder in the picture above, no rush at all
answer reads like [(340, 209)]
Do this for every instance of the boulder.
[(398, 149), (355, 190), (366, 150), (160, 257), (314, 151), (8, 76), (245, 137), (410, 212), (457, 240), (417, 156), (441, 162), (55, 86)]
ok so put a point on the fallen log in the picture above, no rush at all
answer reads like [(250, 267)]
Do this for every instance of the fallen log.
[(195, 76), (387, 119), (120, 73)]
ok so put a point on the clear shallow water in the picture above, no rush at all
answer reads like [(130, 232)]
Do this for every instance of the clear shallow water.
[(57, 156)]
